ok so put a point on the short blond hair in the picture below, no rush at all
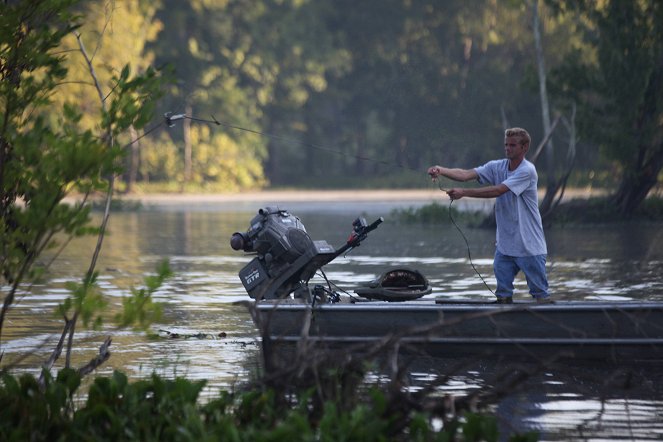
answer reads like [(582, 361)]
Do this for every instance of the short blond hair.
[(519, 133)]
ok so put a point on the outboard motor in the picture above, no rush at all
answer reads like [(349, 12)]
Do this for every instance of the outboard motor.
[(285, 254)]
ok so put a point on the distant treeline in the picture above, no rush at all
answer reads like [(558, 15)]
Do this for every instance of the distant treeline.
[(344, 93)]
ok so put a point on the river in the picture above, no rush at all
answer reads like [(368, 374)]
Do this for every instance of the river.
[(218, 342)]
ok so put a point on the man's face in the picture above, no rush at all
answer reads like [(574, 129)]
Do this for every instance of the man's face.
[(513, 148)]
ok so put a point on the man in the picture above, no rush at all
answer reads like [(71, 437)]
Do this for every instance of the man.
[(521, 244)]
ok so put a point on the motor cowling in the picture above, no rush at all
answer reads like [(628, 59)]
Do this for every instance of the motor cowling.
[(275, 235), (285, 253)]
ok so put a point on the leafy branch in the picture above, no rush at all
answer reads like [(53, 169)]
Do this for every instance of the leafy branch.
[(46, 155)]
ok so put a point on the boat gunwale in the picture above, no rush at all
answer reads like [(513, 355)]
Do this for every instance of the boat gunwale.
[(573, 342), (571, 306)]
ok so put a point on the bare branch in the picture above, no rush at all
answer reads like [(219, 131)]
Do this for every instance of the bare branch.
[(109, 14), (505, 120), (95, 362), (90, 67), (543, 142), (57, 351)]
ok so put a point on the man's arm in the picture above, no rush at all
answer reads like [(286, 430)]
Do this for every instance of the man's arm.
[(454, 174), (478, 192)]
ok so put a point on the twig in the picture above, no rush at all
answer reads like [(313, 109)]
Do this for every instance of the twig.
[(57, 351), (102, 357)]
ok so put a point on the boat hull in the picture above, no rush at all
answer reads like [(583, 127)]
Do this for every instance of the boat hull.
[(570, 329)]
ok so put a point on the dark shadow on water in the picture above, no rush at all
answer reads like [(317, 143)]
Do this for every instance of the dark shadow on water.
[(559, 398)]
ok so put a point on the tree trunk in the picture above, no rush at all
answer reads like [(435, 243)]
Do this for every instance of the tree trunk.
[(634, 187), (639, 179), (552, 186)]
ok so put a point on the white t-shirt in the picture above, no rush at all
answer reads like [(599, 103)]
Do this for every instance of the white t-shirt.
[(519, 227)]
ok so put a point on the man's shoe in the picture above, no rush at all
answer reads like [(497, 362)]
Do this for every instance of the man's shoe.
[(504, 300), (546, 300)]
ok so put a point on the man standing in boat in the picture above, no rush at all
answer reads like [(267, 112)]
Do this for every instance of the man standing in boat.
[(521, 244)]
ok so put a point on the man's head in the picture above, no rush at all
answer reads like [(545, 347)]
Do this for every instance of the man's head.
[(520, 134), (516, 145)]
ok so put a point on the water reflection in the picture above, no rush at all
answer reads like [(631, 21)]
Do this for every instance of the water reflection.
[(622, 262)]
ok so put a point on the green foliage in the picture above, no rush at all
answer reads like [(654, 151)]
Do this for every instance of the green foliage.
[(366, 421), (218, 158), (160, 160), (157, 409), (328, 98), (44, 158), (480, 428), (133, 100), (140, 310), (29, 411), (436, 213), (618, 88), (86, 301), (147, 410), (39, 163), (599, 210), (51, 148)]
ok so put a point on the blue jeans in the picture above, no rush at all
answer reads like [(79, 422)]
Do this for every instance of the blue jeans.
[(507, 267)]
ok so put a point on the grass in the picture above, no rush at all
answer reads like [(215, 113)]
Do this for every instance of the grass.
[(436, 213), (595, 210)]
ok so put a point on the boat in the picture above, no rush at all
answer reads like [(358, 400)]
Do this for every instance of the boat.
[(288, 308)]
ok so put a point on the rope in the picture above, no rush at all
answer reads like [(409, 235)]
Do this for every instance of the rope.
[(467, 243)]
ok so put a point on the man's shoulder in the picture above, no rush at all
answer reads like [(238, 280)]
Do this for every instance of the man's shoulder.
[(527, 163), (495, 164), (528, 167)]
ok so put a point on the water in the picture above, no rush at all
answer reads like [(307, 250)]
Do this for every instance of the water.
[(611, 262)]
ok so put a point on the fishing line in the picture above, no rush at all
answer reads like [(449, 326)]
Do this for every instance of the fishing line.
[(170, 119), (467, 243), (144, 134)]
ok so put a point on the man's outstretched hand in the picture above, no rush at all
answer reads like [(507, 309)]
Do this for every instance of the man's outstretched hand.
[(434, 172)]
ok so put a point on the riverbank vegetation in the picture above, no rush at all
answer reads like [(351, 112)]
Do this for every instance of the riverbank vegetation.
[(594, 210), (158, 409)]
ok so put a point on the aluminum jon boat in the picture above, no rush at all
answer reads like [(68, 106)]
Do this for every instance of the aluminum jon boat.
[(392, 307)]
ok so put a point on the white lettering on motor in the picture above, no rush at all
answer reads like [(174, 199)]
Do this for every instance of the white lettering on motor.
[(253, 276)]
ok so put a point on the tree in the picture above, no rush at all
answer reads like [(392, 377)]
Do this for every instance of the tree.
[(424, 83), (620, 90), (39, 163), (116, 34), (47, 153), (218, 74), (554, 186)]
